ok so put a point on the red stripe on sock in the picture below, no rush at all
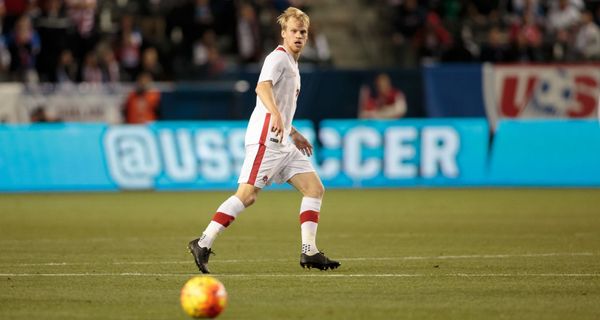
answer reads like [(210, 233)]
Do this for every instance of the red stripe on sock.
[(309, 215), (222, 218)]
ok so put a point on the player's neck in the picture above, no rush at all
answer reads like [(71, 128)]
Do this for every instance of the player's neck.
[(296, 56)]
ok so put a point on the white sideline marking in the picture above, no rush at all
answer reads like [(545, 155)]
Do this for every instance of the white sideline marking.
[(331, 275), (448, 257), (478, 256)]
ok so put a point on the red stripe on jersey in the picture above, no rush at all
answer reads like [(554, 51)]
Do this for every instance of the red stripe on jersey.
[(281, 49), (261, 150), (256, 165), (222, 218), (309, 215), (265, 129)]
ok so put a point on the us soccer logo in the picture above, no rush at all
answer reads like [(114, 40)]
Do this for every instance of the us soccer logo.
[(541, 91)]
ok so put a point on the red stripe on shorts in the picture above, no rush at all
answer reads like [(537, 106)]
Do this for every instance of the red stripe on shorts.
[(222, 218), (261, 150), (309, 215)]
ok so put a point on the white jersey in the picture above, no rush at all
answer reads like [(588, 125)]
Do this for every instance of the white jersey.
[(280, 68)]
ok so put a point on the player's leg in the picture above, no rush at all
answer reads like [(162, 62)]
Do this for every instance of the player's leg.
[(225, 215), (311, 187), (258, 164), (227, 212)]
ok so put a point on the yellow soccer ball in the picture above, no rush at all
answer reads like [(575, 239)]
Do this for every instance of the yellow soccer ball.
[(203, 297)]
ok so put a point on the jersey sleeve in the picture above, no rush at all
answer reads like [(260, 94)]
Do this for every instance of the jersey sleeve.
[(272, 68)]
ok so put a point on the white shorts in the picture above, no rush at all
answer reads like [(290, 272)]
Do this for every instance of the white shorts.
[(263, 165)]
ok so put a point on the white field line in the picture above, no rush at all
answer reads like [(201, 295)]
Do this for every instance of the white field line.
[(329, 275), (408, 258)]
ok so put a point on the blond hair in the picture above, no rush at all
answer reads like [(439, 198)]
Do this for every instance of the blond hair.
[(292, 12)]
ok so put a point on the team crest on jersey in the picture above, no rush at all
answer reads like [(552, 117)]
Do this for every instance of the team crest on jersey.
[(265, 179)]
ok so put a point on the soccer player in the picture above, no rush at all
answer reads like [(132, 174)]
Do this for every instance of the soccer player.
[(275, 150)]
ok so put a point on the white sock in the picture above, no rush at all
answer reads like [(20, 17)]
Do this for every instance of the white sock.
[(309, 221), (226, 213)]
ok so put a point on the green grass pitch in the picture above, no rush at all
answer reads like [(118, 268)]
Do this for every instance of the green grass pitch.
[(405, 254)]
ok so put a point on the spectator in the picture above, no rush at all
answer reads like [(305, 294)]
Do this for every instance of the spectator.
[(152, 65), (91, 72), (129, 47), (563, 49), (41, 115), (2, 17), (207, 58), (24, 46), (527, 27), (434, 39), (4, 60), (587, 38), (203, 18), (531, 8), (142, 104), (53, 26), (83, 15), (317, 48), (216, 63), (201, 48), (526, 40), (408, 20), (495, 50), (66, 69), (192, 19), (386, 103), (562, 16), (153, 24), (458, 52), (12, 11), (248, 34), (111, 71)]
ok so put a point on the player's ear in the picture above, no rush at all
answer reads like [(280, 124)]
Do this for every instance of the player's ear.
[(282, 33)]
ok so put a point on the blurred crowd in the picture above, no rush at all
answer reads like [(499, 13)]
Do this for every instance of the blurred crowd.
[(117, 40), (493, 30)]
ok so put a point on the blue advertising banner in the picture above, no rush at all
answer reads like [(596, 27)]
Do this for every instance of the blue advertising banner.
[(93, 157), (208, 155), (48, 157), (546, 153), (349, 154), (403, 152), (179, 155)]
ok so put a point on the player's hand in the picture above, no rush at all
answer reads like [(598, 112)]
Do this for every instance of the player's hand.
[(302, 144), (277, 125)]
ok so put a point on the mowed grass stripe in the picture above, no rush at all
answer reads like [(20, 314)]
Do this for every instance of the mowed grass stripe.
[(214, 261), (328, 275), (406, 254)]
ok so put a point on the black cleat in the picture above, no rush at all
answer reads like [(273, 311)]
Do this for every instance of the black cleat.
[(319, 261), (200, 254)]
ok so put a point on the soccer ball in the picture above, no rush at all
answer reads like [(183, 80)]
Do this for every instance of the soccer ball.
[(203, 297)]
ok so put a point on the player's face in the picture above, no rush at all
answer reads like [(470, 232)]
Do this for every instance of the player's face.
[(294, 35)]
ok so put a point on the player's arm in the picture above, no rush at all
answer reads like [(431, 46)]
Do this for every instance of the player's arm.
[(264, 91), (301, 142), (394, 110)]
